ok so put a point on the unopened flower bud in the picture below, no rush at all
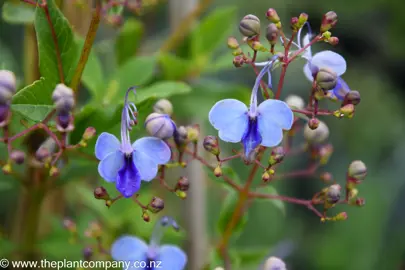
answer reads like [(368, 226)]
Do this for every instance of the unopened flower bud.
[(69, 225), (272, 33), (274, 263), (17, 156), (7, 169), (277, 155), (272, 15), (295, 102), (340, 217), (295, 25), (257, 46), (42, 154), (89, 133), (265, 176), (325, 152), (326, 78), (302, 19), (345, 111), (180, 136), (313, 123), (357, 170), (353, 193), (233, 43), (329, 20), (237, 52), (183, 184), (54, 171), (156, 205), (7, 86), (211, 145), (333, 41), (360, 202), (193, 133), (353, 97), (218, 171), (238, 61), (181, 194), (145, 217), (318, 135), (326, 177), (63, 98), (249, 26), (88, 253), (160, 125), (333, 194), (94, 230), (100, 193), (163, 106)]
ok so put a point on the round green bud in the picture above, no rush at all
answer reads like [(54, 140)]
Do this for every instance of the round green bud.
[(317, 135), (249, 26), (333, 193), (326, 79), (295, 102), (357, 170), (272, 33)]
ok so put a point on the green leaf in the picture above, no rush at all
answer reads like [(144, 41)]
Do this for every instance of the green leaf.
[(252, 255), (162, 89), (228, 208), (66, 50), (213, 31), (272, 191), (18, 13), (128, 40), (173, 67), (5, 185), (33, 101)]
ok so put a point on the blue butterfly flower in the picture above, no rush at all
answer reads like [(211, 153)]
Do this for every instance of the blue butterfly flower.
[(253, 126), (127, 164), (166, 257)]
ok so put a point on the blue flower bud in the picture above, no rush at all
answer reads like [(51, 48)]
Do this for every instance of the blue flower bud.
[(333, 193), (63, 98), (160, 125), (274, 263), (7, 86)]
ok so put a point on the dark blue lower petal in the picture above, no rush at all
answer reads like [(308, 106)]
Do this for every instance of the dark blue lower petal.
[(251, 139), (129, 179), (341, 89)]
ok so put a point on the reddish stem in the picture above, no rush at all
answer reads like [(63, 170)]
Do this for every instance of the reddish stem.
[(311, 112)]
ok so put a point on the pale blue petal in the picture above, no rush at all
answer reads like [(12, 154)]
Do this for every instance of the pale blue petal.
[(308, 72), (273, 117), (229, 117), (147, 167), (106, 144), (108, 167), (331, 60), (156, 149), (128, 248), (341, 89), (172, 258)]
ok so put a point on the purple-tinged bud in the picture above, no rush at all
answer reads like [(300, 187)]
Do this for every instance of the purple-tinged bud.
[(63, 98), (88, 253), (180, 137), (302, 19), (329, 20), (156, 205), (160, 126), (333, 41), (218, 171), (295, 102), (54, 171), (360, 201), (7, 86), (276, 156), (233, 43), (249, 26), (183, 184), (326, 79), (295, 25), (89, 133), (17, 156), (318, 135), (163, 106), (353, 97), (333, 194), (64, 122), (313, 123), (272, 33), (145, 217), (193, 133), (69, 225), (100, 193), (238, 61), (42, 154), (326, 177), (357, 170), (211, 145), (272, 15), (274, 263), (7, 169)]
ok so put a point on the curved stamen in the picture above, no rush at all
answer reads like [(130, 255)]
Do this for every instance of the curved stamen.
[(160, 228), (253, 98), (126, 117)]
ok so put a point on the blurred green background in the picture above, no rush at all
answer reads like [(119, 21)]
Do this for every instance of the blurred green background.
[(371, 40)]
